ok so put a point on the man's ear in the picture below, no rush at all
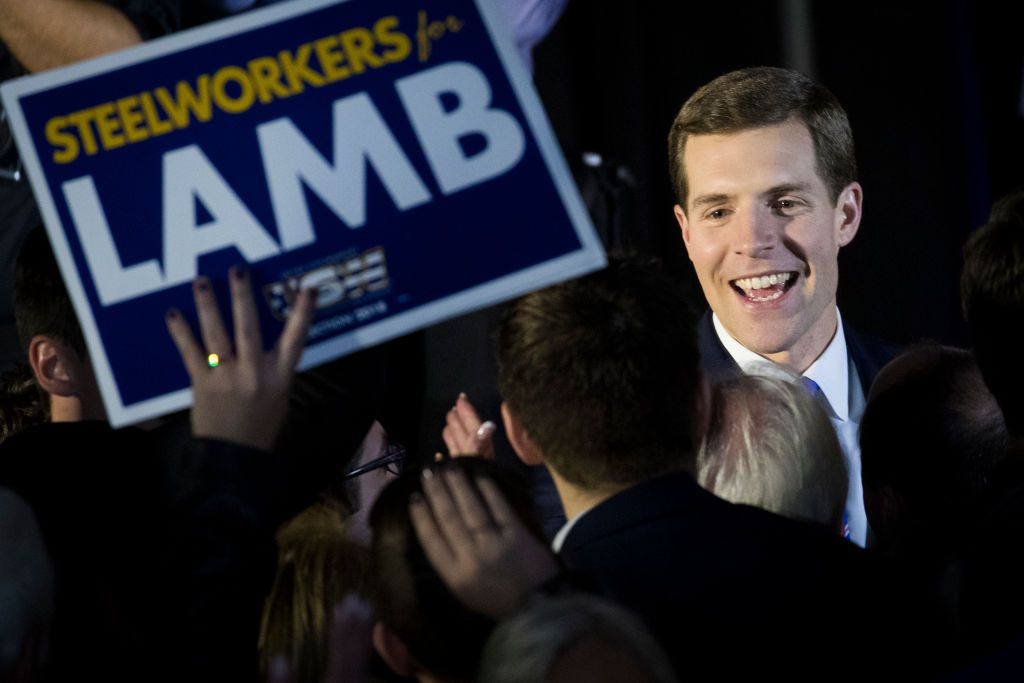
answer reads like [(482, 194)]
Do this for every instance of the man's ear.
[(684, 225), (848, 212), (393, 651), (521, 442), (51, 363)]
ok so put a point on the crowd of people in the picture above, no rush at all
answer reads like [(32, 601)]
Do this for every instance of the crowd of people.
[(754, 490)]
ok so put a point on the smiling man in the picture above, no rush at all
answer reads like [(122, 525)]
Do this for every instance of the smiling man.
[(763, 164)]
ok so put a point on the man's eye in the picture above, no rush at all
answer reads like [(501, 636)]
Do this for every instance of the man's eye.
[(716, 215), (785, 204)]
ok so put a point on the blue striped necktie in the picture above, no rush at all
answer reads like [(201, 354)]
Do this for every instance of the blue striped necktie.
[(818, 395)]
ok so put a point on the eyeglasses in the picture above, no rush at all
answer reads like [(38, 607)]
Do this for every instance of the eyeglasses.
[(393, 459)]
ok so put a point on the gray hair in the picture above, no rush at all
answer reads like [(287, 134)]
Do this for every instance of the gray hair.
[(26, 579), (524, 648), (771, 445)]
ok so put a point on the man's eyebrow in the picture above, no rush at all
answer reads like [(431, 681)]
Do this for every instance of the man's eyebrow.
[(787, 188), (707, 199)]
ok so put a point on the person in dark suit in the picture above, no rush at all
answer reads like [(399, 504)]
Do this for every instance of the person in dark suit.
[(762, 161), (763, 165), (601, 384), (992, 293)]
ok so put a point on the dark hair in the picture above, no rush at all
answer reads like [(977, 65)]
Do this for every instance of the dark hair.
[(21, 404), (410, 598), (41, 302), (766, 96), (932, 433), (992, 293), (602, 372)]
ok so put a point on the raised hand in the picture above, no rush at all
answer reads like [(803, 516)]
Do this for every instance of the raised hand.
[(477, 544), (465, 434), (239, 391)]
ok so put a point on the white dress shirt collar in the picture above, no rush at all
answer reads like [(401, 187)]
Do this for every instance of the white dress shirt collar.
[(831, 370)]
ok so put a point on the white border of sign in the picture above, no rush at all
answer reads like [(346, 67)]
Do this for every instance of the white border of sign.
[(590, 257)]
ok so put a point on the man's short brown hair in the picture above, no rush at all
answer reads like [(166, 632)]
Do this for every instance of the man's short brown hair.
[(766, 96), (603, 374)]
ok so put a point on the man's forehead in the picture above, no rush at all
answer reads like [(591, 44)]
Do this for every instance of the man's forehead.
[(752, 160)]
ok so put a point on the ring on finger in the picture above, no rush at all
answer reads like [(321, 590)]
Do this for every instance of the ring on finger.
[(215, 359)]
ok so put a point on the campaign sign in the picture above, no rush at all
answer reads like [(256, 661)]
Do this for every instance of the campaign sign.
[(391, 154)]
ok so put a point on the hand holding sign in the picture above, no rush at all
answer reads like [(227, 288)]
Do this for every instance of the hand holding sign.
[(239, 395)]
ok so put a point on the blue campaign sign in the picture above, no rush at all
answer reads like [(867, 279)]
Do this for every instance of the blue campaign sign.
[(393, 154)]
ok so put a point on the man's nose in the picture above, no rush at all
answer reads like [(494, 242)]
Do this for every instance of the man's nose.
[(756, 232)]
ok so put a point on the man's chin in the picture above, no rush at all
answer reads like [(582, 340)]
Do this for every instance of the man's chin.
[(770, 348), (764, 342)]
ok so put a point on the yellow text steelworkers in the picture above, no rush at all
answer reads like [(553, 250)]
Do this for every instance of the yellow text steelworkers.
[(231, 89)]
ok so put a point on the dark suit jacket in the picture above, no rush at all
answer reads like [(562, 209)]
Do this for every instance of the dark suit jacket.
[(734, 592), (869, 355)]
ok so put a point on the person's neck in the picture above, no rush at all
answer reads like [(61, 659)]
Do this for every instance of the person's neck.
[(577, 499), (72, 409)]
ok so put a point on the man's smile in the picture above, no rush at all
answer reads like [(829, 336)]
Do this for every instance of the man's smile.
[(765, 287)]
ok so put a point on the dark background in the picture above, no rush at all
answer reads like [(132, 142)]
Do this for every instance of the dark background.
[(933, 92)]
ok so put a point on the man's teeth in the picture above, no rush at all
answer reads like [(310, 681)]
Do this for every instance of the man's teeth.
[(750, 284), (763, 282)]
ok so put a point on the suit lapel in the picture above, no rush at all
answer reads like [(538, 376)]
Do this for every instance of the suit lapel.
[(715, 361), (868, 356)]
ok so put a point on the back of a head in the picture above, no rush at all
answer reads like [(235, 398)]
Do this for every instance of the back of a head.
[(931, 433), (573, 637), (317, 567), (41, 302), (603, 373), (992, 292), (21, 404), (767, 96), (26, 587), (410, 598), (769, 444)]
